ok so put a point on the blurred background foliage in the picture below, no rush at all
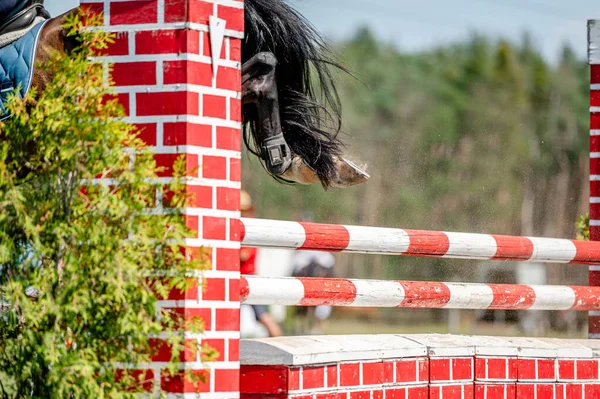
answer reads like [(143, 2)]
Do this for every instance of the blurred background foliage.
[(479, 136)]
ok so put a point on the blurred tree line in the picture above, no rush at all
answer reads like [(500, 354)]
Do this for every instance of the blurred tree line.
[(481, 136)]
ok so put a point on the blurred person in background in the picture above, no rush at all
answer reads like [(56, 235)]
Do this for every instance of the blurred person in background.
[(248, 258), (316, 264)]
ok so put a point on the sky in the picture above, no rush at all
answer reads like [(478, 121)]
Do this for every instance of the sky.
[(414, 25)]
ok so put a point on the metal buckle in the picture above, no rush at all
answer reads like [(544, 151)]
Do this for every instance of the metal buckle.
[(276, 154), (276, 150)]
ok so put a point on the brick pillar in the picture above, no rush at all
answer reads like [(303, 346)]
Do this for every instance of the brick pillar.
[(594, 60), (164, 77)]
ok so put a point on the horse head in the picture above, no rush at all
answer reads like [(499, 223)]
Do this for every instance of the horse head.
[(299, 61)]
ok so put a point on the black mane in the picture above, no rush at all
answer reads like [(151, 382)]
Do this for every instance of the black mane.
[(311, 119)]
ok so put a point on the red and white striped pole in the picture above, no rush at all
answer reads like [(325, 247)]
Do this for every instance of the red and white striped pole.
[(177, 73), (594, 61), (437, 244), (297, 291)]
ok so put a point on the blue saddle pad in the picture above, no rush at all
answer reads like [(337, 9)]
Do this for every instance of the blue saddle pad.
[(17, 61)]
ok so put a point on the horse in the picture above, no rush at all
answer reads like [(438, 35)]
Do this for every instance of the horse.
[(291, 111)]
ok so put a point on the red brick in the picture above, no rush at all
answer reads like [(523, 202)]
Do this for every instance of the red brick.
[(594, 74), (566, 370), (560, 391), (378, 373), (234, 349), (234, 290), (360, 395), (228, 199), (349, 374), (185, 133), (235, 110), (525, 391), (233, 16), (191, 222), (435, 392), (332, 376), (227, 380), (214, 228), (377, 394), (167, 103), (462, 369), (214, 106), (527, 369), (294, 378), (188, 72), (496, 368), (181, 383), (229, 79), (480, 368), (395, 393), (227, 320), (511, 391), (546, 369), (313, 377), (418, 392), (235, 230), (587, 369), (445, 392), (495, 391), (235, 169), (228, 259), (120, 45), (214, 167), (469, 391), (200, 196), (162, 350), (188, 11), (229, 138), (235, 50), (147, 133), (217, 345), (167, 161), (591, 391), (214, 289), (174, 41), (176, 11), (544, 391), (423, 368), (439, 369), (406, 371), (133, 12), (572, 391), (513, 368)]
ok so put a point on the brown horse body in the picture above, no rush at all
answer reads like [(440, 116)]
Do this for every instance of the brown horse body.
[(53, 38)]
